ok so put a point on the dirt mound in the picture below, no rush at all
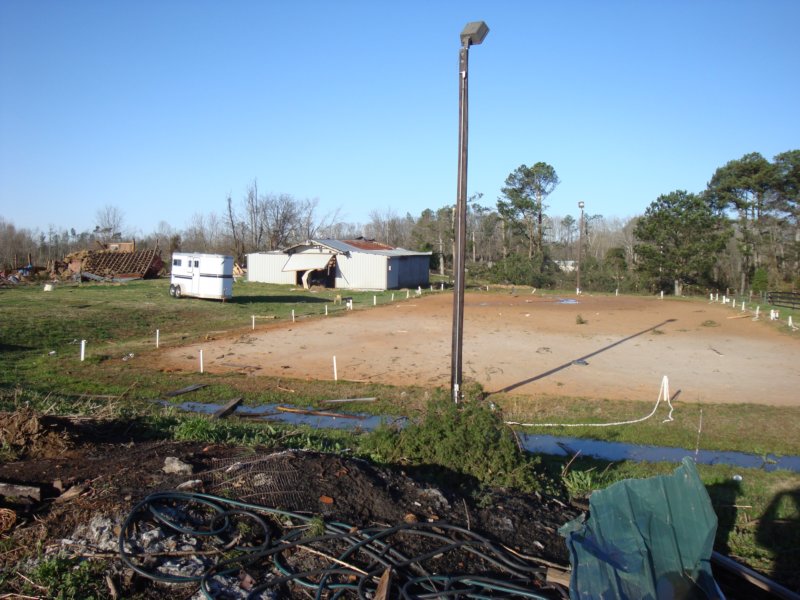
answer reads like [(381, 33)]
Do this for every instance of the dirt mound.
[(27, 434)]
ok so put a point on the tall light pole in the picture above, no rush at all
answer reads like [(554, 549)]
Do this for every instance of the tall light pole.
[(580, 248), (472, 35)]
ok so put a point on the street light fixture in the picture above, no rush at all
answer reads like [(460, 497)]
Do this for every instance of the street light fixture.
[(580, 248), (473, 34)]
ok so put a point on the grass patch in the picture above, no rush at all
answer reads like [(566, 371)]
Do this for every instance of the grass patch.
[(750, 428), (67, 579)]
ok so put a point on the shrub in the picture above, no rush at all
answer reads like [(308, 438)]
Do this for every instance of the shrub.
[(468, 439), (520, 270)]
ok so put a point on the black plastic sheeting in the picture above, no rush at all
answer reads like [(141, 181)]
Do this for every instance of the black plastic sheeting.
[(648, 539)]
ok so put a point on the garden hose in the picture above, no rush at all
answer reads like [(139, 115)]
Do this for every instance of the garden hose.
[(363, 555)]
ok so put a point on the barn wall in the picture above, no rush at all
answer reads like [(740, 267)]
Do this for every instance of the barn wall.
[(361, 271), (412, 271), (265, 267), (393, 273)]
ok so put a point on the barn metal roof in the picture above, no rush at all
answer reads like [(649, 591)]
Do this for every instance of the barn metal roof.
[(361, 245)]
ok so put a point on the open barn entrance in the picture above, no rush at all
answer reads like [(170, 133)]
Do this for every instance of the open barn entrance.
[(321, 277), (313, 268)]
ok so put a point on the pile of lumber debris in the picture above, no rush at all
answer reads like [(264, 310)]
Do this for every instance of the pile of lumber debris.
[(110, 265)]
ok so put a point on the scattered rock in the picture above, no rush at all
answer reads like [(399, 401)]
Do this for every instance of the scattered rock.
[(176, 465)]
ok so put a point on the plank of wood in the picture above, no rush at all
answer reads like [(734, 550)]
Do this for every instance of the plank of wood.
[(258, 415), (560, 576), (349, 400), (317, 413), (227, 409), (20, 491), (186, 390)]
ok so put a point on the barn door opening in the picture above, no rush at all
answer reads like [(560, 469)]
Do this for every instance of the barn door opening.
[(317, 277)]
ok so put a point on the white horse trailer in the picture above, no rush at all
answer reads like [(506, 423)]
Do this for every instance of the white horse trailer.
[(201, 276)]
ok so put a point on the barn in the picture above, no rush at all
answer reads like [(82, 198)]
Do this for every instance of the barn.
[(342, 264)]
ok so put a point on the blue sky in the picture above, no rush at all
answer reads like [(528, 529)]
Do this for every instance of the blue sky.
[(164, 108)]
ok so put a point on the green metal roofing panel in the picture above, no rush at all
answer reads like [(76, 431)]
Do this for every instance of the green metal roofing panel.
[(645, 539)]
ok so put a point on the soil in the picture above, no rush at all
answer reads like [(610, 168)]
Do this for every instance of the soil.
[(91, 476), (616, 348)]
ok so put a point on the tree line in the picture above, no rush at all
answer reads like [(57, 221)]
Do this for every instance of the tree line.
[(741, 232)]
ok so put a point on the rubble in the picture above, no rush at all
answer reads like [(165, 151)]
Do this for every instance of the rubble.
[(110, 265), (111, 262)]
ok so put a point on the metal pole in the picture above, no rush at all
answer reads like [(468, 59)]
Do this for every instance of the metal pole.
[(580, 249), (461, 225), (473, 33)]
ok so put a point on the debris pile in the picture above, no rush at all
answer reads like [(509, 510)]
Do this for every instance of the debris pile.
[(110, 265)]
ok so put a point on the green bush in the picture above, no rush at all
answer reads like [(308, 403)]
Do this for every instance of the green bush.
[(760, 280), (466, 439), (520, 270)]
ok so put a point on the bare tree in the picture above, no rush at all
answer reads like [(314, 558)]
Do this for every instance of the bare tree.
[(282, 216), (108, 223), (235, 228), (307, 225)]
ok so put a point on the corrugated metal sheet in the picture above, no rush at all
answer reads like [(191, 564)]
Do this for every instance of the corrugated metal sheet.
[(363, 244), (412, 271), (306, 261), (359, 246), (361, 271), (267, 267)]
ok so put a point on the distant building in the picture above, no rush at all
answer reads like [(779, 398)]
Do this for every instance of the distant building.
[(567, 266), (343, 264)]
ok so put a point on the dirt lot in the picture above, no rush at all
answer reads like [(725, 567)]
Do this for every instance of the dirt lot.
[(530, 345)]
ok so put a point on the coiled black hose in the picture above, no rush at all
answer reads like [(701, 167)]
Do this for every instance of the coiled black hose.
[(354, 559)]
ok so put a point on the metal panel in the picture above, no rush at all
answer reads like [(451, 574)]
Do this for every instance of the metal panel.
[(307, 261), (361, 271), (394, 274), (266, 267), (413, 271)]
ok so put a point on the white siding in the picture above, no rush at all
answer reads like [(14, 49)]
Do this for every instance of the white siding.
[(361, 271), (266, 267)]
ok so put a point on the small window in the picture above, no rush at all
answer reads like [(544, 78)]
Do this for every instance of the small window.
[(196, 264), (176, 262)]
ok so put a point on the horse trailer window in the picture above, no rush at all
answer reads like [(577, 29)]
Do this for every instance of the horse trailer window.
[(176, 262)]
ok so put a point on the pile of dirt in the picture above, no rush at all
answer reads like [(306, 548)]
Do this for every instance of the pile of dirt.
[(26, 434), (88, 490)]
